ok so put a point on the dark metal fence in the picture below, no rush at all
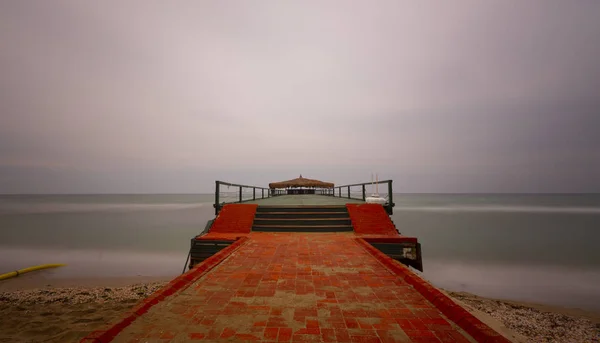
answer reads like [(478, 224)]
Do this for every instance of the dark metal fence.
[(230, 193), (360, 191)]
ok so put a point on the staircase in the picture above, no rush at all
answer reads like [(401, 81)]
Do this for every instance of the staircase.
[(302, 219)]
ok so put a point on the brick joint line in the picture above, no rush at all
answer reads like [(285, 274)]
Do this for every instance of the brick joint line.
[(176, 285), (473, 326)]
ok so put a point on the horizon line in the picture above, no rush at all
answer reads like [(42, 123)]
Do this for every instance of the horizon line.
[(405, 193)]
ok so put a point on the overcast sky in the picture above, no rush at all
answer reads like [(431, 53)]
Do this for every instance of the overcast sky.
[(167, 96)]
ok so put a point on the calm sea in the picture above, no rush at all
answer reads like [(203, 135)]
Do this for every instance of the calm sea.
[(538, 248)]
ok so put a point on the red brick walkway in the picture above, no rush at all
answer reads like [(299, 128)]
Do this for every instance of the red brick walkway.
[(286, 287)]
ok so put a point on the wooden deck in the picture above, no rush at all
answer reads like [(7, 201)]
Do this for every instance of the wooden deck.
[(316, 200)]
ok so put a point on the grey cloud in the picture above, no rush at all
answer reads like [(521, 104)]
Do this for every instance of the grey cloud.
[(148, 96)]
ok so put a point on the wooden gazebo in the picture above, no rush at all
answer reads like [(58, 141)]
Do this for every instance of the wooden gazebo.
[(299, 186)]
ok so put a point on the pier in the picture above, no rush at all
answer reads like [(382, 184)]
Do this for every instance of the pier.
[(289, 267)]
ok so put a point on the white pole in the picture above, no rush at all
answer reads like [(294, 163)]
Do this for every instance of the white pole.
[(372, 183)]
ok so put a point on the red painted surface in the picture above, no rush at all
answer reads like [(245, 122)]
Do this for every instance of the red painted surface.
[(176, 285), (294, 287), (477, 329), (234, 218), (388, 239), (286, 287), (371, 219)]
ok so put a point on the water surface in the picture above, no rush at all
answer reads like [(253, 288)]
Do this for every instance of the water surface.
[(538, 248)]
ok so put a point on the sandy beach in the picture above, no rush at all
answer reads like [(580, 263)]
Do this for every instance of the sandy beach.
[(65, 314), (59, 311), (526, 322)]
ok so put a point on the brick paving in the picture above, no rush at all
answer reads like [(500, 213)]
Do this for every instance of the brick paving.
[(291, 287), (371, 219)]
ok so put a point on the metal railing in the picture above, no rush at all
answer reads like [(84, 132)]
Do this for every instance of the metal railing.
[(237, 193), (240, 193), (358, 191), (302, 190)]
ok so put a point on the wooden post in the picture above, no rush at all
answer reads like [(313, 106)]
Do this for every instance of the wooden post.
[(340, 192), (364, 192), (240, 193), (217, 197)]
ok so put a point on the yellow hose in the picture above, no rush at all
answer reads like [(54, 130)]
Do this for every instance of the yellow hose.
[(27, 270)]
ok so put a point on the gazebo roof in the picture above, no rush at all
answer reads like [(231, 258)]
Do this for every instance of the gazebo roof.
[(301, 182)]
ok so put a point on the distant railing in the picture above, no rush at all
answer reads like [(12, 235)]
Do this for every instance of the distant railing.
[(358, 191), (302, 190), (236, 193)]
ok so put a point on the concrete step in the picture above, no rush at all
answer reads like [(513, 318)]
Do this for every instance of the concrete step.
[(303, 221), (300, 208), (296, 215), (302, 228)]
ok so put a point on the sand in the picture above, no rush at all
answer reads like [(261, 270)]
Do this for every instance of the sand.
[(533, 322), (54, 312)]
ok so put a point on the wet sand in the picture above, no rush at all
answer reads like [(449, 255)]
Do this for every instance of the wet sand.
[(533, 322), (66, 310), (41, 281), (51, 313)]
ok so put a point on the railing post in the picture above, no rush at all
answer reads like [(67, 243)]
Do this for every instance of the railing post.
[(240, 193), (340, 191), (364, 191), (217, 197), (348, 192), (253, 193), (390, 198), (263, 193)]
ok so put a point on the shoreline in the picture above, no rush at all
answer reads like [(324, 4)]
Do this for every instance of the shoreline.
[(593, 316), (31, 282), (68, 309), (529, 322)]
